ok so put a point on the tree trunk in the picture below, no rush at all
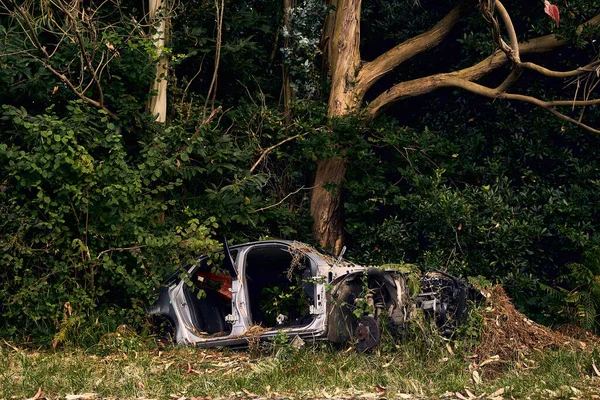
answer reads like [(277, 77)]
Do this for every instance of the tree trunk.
[(157, 104), (326, 203), (344, 61)]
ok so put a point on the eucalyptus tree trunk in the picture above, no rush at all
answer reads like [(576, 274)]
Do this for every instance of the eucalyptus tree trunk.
[(157, 104), (342, 29)]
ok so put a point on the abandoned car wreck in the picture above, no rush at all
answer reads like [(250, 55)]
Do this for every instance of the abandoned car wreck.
[(267, 287)]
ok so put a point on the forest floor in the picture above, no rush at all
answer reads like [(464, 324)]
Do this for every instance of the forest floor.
[(515, 359)]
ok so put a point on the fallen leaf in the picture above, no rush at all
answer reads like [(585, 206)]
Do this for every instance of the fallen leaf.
[(497, 393), (380, 388), (84, 396), (460, 396), (38, 395), (388, 364), (476, 377), (490, 360), (471, 395), (595, 368), (575, 390)]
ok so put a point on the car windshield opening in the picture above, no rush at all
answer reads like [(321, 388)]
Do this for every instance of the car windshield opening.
[(280, 287)]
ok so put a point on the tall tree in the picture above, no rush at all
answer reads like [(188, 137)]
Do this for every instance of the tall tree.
[(352, 77), (157, 16)]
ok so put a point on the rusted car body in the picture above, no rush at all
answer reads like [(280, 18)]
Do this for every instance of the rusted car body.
[(267, 287)]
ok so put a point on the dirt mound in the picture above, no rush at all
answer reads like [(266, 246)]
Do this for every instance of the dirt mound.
[(509, 335)]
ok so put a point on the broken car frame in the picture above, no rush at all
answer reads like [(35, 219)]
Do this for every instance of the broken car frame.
[(267, 287)]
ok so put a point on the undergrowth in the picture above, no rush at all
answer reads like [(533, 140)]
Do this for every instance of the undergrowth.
[(144, 371)]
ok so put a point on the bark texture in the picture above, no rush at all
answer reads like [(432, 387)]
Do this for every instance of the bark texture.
[(157, 104), (343, 26), (325, 205)]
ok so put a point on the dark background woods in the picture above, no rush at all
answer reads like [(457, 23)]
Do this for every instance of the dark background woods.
[(98, 202)]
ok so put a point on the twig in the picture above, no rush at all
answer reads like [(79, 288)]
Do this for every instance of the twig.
[(269, 149), (192, 80), (282, 200), (11, 346), (85, 57), (212, 115), (118, 249), (30, 33)]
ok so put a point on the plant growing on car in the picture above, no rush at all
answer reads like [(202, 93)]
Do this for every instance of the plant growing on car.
[(290, 301), (363, 304)]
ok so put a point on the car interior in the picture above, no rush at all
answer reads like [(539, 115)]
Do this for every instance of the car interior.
[(280, 286), (208, 310)]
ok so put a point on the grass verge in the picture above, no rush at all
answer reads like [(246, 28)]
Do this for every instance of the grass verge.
[(318, 371)]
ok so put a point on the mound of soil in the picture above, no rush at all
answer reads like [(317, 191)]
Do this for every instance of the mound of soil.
[(509, 335)]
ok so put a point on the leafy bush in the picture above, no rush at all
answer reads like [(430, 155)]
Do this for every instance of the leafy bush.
[(82, 220), (518, 206)]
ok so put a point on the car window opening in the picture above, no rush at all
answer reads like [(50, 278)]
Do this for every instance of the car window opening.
[(280, 287)]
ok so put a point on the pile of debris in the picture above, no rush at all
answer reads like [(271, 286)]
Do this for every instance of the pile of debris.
[(509, 335)]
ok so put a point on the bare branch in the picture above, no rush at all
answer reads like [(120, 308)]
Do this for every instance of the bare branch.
[(118, 249), (371, 72), (269, 149), (548, 105), (512, 34), (420, 86), (212, 90), (560, 74), (282, 200), (29, 30), (84, 55), (514, 75)]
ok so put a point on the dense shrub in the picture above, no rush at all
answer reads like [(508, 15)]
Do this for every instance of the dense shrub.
[(519, 206), (82, 221)]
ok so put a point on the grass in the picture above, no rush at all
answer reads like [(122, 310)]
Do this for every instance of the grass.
[(131, 369)]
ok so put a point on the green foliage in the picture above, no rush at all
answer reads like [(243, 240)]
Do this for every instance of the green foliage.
[(469, 332), (289, 300), (578, 290), (95, 211), (82, 220), (517, 207)]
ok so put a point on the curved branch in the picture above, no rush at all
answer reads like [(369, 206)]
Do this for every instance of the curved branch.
[(269, 149), (420, 86), (512, 34), (372, 71), (514, 75), (547, 105), (559, 74)]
